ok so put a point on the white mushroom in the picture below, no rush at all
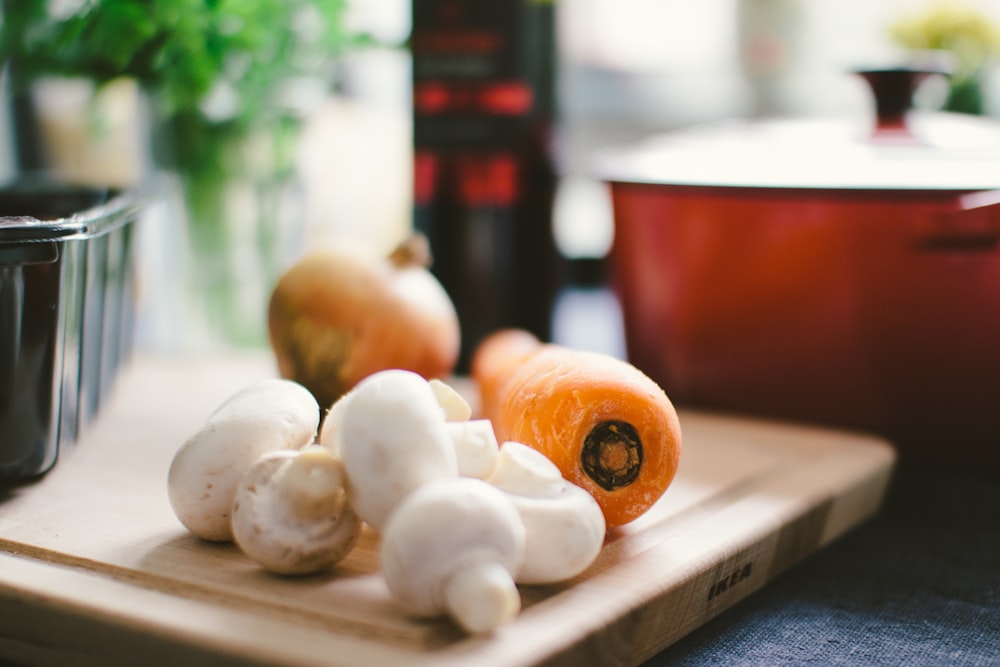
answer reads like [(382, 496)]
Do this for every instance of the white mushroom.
[(266, 416), (476, 447), (392, 439), (291, 513), (564, 525), (329, 434), (452, 547), (475, 442), (456, 408)]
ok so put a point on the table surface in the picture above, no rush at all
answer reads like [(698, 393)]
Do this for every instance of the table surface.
[(917, 585)]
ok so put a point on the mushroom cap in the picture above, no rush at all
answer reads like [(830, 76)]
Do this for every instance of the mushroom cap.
[(329, 434), (563, 535), (393, 438), (291, 513), (564, 525), (445, 528), (269, 415)]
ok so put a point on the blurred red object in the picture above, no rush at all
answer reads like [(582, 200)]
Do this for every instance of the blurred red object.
[(801, 270)]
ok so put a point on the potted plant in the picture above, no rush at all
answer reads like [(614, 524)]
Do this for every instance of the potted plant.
[(962, 31), (218, 78)]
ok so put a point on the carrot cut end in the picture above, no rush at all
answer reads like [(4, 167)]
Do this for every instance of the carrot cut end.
[(612, 455)]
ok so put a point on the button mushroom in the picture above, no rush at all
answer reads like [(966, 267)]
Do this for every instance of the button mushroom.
[(266, 416), (456, 408), (329, 434), (392, 438), (452, 547), (564, 525), (474, 441), (291, 513), (476, 447)]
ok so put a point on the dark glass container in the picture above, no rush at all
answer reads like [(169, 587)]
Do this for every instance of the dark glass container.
[(66, 314), (483, 112)]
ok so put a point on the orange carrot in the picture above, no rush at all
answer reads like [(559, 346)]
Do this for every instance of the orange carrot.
[(608, 427), (493, 358)]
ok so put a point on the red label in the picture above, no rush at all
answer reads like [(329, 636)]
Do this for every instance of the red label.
[(425, 176), (431, 98), (489, 180), (506, 98)]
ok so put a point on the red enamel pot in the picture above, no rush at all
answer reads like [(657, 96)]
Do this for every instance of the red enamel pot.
[(838, 272)]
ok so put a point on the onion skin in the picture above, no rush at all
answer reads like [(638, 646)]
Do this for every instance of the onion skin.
[(336, 317)]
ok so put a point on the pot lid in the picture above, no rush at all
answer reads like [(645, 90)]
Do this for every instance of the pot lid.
[(892, 150)]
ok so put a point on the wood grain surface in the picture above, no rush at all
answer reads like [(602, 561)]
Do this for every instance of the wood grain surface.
[(95, 569)]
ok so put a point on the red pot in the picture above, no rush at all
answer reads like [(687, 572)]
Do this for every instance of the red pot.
[(820, 271)]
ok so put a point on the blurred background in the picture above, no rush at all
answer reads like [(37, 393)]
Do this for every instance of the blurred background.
[(624, 69), (631, 68)]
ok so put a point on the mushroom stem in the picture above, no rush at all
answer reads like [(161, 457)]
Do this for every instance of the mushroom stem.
[(476, 447), (482, 597), (282, 514), (453, 547), (456, 408), (313, 482), (524, 471)]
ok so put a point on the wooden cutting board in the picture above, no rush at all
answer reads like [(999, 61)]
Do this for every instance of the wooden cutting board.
[(95, 569)]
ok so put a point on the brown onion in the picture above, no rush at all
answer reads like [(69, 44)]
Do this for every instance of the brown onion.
[(336, 317)]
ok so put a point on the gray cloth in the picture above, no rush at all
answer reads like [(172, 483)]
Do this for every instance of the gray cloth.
[(917, 585)]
